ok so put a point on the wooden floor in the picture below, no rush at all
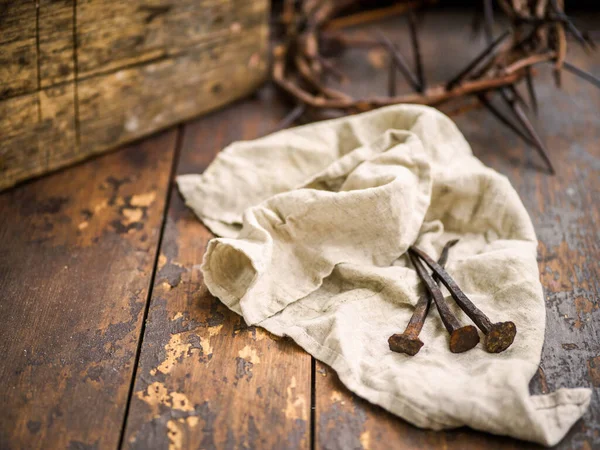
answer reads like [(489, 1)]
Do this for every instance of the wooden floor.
[(109, 338)]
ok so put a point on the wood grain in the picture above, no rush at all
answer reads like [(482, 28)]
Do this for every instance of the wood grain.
[(113, 35), (205, 379), (77, 251), (566, 218), (166, 91), (56, 47), (125, 70), (346, 421), (38, 133), (18, 56)]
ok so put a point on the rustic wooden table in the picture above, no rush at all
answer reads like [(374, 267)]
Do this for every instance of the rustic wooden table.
[(110, 339)]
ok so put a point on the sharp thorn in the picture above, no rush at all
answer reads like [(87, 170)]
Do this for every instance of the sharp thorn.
[(476, 21), (291, 117), (419, 16), (392, 78), (524, 121), (517, 95), (503, 119), (589, 39), (412, 24), (556, 73), (531, 90), (575, 31), (569, 24), (331, 68), (582, 74), (487, 52), (488, 14), (400, 61)]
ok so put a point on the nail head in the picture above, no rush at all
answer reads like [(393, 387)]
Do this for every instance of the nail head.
[(463, 339), (500, 337), (401, 343)]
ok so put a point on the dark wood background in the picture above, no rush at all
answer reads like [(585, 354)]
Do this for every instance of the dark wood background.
[(110, 339), (80, 77)]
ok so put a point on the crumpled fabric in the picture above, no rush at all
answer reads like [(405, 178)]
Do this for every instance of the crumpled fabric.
[(315, 223)]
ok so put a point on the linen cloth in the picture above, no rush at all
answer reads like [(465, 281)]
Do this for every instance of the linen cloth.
[(315, 224)]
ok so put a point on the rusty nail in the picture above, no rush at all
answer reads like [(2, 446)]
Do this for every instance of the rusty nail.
[(409, 342), (461, 338), (498, 336)]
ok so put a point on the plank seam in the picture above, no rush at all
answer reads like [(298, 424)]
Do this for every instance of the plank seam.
[(75, 81), (313, 402), (39, 73), (186, 51), (138, 352)]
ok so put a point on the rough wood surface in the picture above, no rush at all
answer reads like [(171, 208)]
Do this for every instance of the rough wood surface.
[(165, 91), (205, 379), (566, 217), (56, 48), (112, 35), (77, 251), (124, 70), (18, 56)]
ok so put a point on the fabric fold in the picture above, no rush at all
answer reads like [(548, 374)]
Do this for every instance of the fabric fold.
[(315, 224)]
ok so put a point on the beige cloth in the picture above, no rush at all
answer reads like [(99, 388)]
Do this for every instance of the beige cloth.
[(316, 222)]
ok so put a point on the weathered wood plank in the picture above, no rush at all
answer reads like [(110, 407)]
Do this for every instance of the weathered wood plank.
[(140, 67), (205, 379), (566, 217), (168, 91), (115, 35), (77, 251), (36, 45), (345, 421), (56, 43), (38, 133), (18, 53), (19, 153)]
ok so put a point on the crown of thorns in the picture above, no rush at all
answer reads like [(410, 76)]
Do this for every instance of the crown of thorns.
[(310, 37)]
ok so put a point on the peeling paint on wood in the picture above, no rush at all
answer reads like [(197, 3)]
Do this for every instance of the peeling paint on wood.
[(243, 387), (73, 297)]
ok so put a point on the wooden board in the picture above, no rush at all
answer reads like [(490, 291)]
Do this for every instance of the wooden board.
[(124, 70), (166, 91), (77, 251), (205, 379), (18, 56), (565, 213), (56, 48), (115, 35)]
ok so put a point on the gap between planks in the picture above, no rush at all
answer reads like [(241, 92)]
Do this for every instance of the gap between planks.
[(138, 351), (76, 122), (313, 402)]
